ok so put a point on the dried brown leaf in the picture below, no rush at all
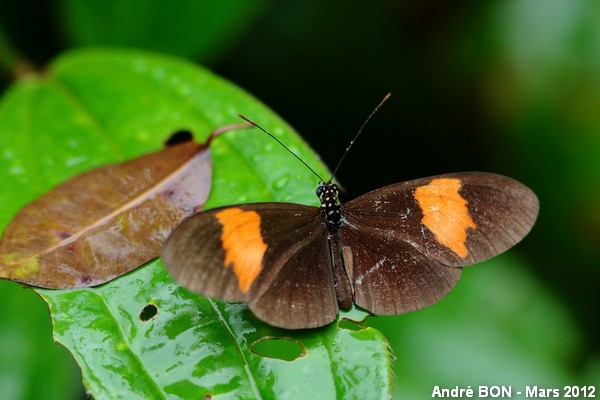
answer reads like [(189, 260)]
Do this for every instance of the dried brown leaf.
[(107, 221)]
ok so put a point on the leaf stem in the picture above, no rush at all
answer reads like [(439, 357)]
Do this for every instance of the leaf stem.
[(10, 58)]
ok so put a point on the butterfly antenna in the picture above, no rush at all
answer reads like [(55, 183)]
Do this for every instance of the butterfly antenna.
[(387, 96), (282, 145)]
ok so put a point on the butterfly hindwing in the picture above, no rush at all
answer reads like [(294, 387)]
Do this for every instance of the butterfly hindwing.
[(390, 276), (407, 240), (274, 256), (297, 290)]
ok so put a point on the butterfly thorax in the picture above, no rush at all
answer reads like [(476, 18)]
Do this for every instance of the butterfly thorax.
[(331, 209)]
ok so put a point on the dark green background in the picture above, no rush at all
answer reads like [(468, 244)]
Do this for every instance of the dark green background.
[(511, 87)]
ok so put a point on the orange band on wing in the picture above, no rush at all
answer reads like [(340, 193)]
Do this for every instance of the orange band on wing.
[(242, 243), (445, 213)]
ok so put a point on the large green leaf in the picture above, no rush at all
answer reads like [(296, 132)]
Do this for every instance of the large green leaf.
[(99, 106)]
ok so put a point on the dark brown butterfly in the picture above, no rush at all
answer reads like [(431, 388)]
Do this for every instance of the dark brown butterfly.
[(391, 251)]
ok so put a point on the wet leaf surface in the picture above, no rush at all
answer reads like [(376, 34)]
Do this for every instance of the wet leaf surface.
[(94, 108), (195, 346), (107, 221)]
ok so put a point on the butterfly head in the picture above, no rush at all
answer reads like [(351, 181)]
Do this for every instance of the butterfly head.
[(331, 209)]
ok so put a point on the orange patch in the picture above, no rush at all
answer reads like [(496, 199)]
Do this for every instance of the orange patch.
[(242, 243), (445, 213)]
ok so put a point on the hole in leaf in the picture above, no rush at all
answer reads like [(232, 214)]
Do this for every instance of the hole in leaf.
[(148, 312), (350, 324), (181, 136), (283, 348), (353, 319)]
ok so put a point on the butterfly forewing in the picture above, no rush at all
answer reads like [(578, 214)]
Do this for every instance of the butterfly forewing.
[(274, 256), (456, 219), (194, 256)]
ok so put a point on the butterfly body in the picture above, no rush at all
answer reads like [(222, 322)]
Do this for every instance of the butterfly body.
[(331, 209), (394, 250)]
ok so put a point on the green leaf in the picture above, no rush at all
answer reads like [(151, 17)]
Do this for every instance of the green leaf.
[(31, 365), (189, 28), (195, 346), (95, 107)]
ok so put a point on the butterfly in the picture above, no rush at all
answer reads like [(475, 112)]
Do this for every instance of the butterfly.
[(391, 251)]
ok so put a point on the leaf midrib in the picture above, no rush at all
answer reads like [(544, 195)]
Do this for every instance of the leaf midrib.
[(223, 321), (153, 384)]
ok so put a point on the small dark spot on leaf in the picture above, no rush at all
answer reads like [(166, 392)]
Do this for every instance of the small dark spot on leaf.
[(148, 312), (180, 136), (85, 280), (283, 348), (169, 193), (63, 235), (207, 396)]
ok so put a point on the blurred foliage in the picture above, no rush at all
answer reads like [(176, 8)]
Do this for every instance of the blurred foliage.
[(31, 366), (198, 29), (505, 86)]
